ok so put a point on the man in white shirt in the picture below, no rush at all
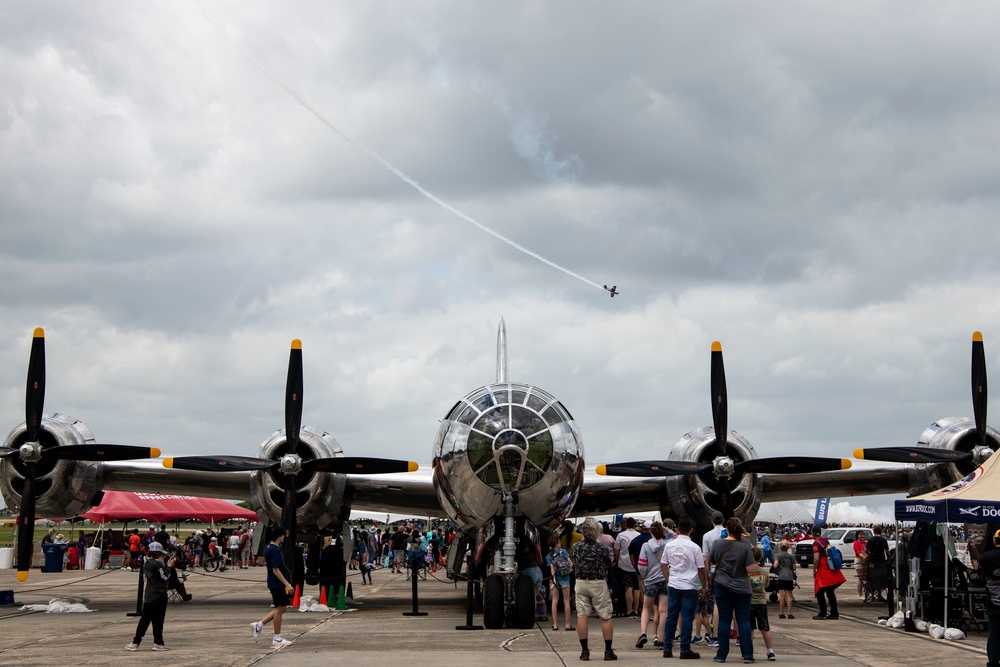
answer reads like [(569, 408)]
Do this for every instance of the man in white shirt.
[(684, 569), (626, 571)]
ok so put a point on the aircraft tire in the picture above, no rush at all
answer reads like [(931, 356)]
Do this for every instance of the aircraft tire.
[(493, 603), (524, 602)]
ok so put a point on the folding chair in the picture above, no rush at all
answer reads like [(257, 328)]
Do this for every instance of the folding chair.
[(877, 584)]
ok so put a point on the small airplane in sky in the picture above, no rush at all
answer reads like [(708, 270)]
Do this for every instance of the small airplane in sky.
[(613, 289)]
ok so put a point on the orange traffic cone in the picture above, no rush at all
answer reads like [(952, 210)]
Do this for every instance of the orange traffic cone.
[(322, 594), (297, 600)]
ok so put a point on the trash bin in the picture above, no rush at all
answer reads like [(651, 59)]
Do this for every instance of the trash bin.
[(54, 556)]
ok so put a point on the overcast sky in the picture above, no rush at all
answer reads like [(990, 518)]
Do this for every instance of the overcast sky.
[(813, 185)]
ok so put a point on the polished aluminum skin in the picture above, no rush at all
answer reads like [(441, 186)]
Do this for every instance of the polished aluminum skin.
[(63, 488), (508, 438)]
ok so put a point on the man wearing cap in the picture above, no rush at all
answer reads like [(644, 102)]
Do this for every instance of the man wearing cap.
[(154, 598), (591, 562), (989, 564)]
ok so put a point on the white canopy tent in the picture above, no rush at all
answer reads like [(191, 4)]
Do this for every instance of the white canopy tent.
[(787, 511)]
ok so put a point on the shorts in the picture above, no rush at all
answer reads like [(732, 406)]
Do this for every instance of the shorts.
[(786, 585), (706, 604), (399, 555), (592, 597), (758, 617), (628, 579), (561, 582), (279, 596), (535, 573), (655, 589)]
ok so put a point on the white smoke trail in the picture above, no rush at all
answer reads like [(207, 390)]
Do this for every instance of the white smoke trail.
[(385, 163)]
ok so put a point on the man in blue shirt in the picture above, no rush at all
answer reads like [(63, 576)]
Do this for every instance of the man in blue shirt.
[(277, 582)]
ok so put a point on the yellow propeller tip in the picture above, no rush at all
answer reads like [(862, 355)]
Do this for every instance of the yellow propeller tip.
[(154, 453), (39, 333), (168, 463), (977, 337), (412, 466), (296, 344), (22, 577), (845, 464), (602, 470), (859, 454), (716, 346)]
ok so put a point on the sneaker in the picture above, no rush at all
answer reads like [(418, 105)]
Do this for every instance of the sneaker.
[(696, 639), (689, 655), (833, 617), (610, 655), (160, 647), (713, 642), (791, 616), (781, 616), (748, 661), (255, 628), (656, 641), (641, 641), (668, 654), (280, 641), (819, 617), (584, 654), (770, 656), (132, 647)]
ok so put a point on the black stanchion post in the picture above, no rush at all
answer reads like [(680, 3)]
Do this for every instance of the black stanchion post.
[(468, 599), (138, 596), (414, 572)]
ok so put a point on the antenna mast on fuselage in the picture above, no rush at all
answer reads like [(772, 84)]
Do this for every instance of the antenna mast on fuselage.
[(502, 352)]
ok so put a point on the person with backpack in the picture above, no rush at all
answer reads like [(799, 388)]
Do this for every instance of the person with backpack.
[(825, 579), (561, 567)]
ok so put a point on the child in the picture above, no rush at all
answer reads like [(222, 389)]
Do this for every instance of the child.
[(703, 619), (557, 560), (784, 564), (758, 603)]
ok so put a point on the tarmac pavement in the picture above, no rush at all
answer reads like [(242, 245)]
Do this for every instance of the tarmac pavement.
[(214, 629)]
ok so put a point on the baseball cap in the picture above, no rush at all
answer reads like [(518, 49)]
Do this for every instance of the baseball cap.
[(717, 517), (155, 547), (669, 523)]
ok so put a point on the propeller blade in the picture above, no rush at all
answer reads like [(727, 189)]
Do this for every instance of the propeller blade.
[(778, 465), (653, 468), (101, 452), (7, 451), (34, 400), (726, 498), (288, 521), (720, 402), (979, 393), (26, 524), (912, 455), (359, 465), (219, 463), (293, 397)]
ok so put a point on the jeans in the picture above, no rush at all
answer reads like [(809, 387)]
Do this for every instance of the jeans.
[(727, 603), (993, 639), (684, 603)]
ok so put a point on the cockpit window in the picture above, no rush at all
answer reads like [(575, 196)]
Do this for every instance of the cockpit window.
[(469, 415), (536, 403), (517, 396), (501, 396)]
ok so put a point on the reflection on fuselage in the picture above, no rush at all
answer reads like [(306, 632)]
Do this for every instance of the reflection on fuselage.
[(507, 438)]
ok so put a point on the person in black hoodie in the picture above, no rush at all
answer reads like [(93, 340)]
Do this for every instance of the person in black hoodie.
[(154, 599)]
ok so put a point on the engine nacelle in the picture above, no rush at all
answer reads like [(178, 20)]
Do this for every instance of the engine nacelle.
[(320, 495), (63, 488), (955, 433), (696, 495)]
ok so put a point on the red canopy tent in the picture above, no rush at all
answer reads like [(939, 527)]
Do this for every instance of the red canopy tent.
[(159, 508)]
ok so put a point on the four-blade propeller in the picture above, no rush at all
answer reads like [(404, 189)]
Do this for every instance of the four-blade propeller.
[(291, 464), (929, 455), (722, 465), (32, 453)]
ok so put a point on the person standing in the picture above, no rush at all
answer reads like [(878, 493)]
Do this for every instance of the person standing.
[(785, 564), (734, 563), (591, 562), (825, 580), (654, 585), (768, 549), (710, 538), (861, 562), (154, 598), (279, 586), (625, 570), (683, 568), (989, 565), (560, 566)]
